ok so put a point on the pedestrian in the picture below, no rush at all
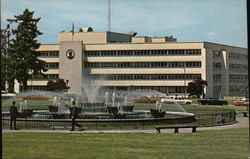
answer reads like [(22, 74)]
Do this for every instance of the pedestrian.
[(73, 115), (13, 115)]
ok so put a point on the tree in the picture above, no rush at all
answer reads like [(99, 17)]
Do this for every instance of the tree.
[(196, 87), (56, 85), (3, 58), (23, 60), (5, 76)]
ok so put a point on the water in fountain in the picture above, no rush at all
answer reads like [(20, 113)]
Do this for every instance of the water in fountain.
[(173, 107), (55, 101), (77, 102), (159, 108), (156, 105), (21, 106), (106, 99), (25, 106), (119, 107), (113, 99), (71, 100), (126, 100), (90, 88)]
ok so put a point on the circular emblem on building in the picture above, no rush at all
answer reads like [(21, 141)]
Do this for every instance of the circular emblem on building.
[(70, 54)]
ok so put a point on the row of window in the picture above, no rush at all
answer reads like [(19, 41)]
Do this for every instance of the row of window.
[(237, 56), (163, 89), (238, 66), (149, 77), (236, 88), (217, 77), (144, 52), (232, 66), (54, 65), (143, 64), (49, 53), (46, 76), (44, 88), (216, 53), (237, 76), (167, 90), (217, 65)]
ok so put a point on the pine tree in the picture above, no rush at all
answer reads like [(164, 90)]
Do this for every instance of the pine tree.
[(23, 59), (3, 58)]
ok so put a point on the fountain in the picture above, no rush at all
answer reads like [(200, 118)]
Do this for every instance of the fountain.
[(103, 106), (24, 112), (113, 99), (106, 99), (157, 112)]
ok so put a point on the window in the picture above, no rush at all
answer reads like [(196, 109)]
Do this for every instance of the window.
[(52, 65), (144, 52)]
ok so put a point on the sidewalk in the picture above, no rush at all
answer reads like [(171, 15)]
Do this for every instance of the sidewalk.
[(243, 122)]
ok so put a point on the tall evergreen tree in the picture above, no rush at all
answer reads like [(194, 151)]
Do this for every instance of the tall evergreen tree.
[(3, 58), (23, 59)]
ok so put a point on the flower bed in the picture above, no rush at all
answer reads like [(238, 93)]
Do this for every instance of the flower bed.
[(35, 98)]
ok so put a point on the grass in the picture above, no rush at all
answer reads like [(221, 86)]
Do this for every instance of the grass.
[(42, 104), (213, 144), (32, 104)]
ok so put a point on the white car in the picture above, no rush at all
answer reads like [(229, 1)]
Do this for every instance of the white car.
[(173, 99)]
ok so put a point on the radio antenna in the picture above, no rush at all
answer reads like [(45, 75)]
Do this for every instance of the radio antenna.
[(109, 15)]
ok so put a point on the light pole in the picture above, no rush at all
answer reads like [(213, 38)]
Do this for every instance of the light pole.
[(245, 88), (185, 90), (247, 104), (67, 82), (31, 81), (6, 37)]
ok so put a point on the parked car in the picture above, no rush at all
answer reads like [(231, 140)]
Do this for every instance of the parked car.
[(212, 101), (173, 99), (6, 95), (145, 99), (242, 102)]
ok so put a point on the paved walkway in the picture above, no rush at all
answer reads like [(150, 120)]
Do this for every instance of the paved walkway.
[(243, 122)]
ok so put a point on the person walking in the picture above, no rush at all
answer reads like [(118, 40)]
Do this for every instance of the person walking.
[(13, 115), (73, 114)]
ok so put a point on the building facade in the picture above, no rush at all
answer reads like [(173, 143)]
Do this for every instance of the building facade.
[(125, 62)]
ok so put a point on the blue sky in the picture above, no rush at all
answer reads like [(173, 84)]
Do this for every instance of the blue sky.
[(219, 21)]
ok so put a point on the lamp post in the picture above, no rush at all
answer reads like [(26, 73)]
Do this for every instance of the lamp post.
[(246, 90), (31, 81), (67, 82), (185, 90), (6, 37)]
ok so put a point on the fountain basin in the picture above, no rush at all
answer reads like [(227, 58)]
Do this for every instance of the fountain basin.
[(127, 108), (25, 113), (157, 114)]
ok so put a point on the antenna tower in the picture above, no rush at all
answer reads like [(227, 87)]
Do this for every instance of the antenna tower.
[(109, 16)]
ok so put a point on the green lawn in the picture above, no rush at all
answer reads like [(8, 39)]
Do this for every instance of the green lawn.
[(42, 104), (219, 144)]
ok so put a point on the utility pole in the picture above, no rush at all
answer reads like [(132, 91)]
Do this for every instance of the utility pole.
[(7, 39), (109, 15), (185, 89)]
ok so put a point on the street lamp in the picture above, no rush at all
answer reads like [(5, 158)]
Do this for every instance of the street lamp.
[(67, 81), (6, 37), (246, 94), (185, 90), (246, 90), (31, 72)]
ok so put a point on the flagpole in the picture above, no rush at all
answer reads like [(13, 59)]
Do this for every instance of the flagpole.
[(72, 30)]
